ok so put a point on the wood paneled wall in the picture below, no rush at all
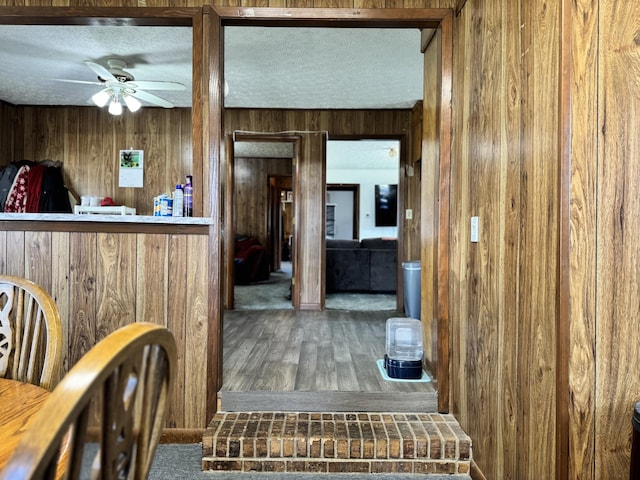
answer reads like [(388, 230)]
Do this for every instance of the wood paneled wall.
[(88, 140), (251, 194), (504, 288), (506, 159), (411, 193), (604, 237), (102, 281), (6, 134)]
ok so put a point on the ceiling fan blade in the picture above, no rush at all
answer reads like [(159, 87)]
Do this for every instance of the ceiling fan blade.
[(76, 81), (148, 97), (152, 85), (101, 71)]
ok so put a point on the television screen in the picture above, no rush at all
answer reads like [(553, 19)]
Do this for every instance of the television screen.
[(386, 205)]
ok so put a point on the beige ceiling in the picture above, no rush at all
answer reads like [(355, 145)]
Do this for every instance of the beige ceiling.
[(273, 67)]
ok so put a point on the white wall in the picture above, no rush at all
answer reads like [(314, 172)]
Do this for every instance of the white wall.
[(343, 213), (368, 163), (368, 179)]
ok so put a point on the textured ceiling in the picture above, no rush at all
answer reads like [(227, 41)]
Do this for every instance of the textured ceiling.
[(272, 67), (322, 67), (34, 60), (366, 154)]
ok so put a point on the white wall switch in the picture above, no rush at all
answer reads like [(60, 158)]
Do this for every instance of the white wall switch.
[(475, 234), (408, 214)]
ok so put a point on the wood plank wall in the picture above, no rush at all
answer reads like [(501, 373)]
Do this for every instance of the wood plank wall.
[(504, 288), (88, 140), (251, 194), (605, 234), (427, 198), (505, 167), (102, 281)]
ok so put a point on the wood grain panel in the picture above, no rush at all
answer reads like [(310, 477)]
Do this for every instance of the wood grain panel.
[(539, 235), (582, 74), (310, 221), (88, 140), (3, 251), (115, 282), (82, 305), (15, 261), (428, 176), (60, 288), (177, 322), (251, 204), (507, 285), (196, 317), (153, 282), (618, 234), (101, 281), (503, 289), (38, 258)]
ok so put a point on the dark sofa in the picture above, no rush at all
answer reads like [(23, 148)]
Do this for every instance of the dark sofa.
[(251, 262), (366, 266)]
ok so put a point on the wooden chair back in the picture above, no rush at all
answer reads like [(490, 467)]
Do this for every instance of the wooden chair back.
[(30, 333), (130, 374)]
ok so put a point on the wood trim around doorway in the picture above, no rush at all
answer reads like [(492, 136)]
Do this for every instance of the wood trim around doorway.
[(387, 18)]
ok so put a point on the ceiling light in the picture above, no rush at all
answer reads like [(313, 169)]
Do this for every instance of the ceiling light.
[(101, 98), (115, 107), (132, 103)]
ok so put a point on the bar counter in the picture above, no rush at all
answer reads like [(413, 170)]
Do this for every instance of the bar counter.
[(106, 223), (105, 271)]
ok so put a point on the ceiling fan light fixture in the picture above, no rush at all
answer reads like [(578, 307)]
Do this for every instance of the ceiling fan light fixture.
[(132, 103), (115, 107), (101, 98)]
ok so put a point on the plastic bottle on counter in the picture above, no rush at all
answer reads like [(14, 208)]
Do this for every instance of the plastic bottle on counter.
[(188, 197), (178, 201)]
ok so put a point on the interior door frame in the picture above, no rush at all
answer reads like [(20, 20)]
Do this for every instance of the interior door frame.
[(402, 160), (427, 18), (354, 188), (229, 210)]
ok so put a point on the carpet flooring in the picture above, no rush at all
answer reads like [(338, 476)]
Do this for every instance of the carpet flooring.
[(182, 462), (273, 294)]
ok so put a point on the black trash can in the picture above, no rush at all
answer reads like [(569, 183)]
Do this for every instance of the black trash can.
[(635, 445), (411, 284)]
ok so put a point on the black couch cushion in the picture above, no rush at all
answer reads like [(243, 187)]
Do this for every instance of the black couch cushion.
[(366, 266), (382, 270), (332, 243), (347, 270), (379, 243)]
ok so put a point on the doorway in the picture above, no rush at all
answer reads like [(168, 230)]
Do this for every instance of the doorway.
[(262, 222), (436, 253), (347, 220)]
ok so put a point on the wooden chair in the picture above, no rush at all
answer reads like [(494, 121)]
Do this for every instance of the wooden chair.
[(30, 333), (129, 374)]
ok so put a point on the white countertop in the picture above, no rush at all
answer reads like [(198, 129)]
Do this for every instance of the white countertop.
[(69, 217)]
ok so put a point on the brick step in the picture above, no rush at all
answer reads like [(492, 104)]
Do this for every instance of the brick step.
[(298, 401), (425, 443)]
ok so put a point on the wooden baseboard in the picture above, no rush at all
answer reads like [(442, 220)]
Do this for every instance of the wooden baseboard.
[(169, 435), (182, 435), (475, 472)]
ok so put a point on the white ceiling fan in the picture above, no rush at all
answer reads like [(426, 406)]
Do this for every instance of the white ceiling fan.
[(120, 86)]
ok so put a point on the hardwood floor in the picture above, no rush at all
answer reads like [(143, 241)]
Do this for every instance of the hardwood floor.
[(312, 361)]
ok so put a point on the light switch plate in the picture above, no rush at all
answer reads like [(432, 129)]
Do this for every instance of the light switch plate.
[(475, 234), (408, 214)]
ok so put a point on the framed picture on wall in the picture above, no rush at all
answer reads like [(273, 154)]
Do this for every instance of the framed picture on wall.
[(386, 205)]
